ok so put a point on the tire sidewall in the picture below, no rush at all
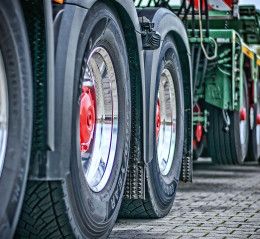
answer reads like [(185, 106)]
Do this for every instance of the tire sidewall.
[(163, 188), (15, 51)]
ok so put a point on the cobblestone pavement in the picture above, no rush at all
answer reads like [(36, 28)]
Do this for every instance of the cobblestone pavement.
[(222, 202)]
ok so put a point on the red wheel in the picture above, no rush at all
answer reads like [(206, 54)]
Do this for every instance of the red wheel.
[(87, 117)]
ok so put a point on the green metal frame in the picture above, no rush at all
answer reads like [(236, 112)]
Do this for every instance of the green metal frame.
[(223, 85)]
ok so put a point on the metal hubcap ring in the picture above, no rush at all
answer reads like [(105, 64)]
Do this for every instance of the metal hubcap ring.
[(243, 125), (167, 126), (98, 119), (4, 107), (258, 122), (158, 119)]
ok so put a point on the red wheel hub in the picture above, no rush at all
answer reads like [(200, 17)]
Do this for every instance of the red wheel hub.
[(258, 119), (199, 132), (158, 119), (243, 114), (198, 127), (87, 117)]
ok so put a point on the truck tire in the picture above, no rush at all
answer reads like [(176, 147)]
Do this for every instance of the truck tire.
[(15, 114), (163, 171), (254, 137), (229, 146), (86, 203)]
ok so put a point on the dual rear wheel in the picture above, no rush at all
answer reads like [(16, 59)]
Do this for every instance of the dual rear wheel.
[(234, 136)]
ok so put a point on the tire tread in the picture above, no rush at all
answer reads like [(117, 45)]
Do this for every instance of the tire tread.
[(44, 213), (137, 208), (220, 143)]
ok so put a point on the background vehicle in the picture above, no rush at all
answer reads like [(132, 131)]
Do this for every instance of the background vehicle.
[(116, 91)]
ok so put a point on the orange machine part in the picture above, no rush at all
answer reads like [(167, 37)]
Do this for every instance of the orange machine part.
[(59, 1)]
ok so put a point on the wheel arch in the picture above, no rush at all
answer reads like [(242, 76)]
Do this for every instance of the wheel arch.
[(167, 23)]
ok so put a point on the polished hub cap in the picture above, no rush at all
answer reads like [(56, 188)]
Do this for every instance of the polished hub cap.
[(98, 118), (3, 113), (166, 127), (243, 124)]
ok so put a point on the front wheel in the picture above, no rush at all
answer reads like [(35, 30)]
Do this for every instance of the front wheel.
[(163, 171), (86, 203)]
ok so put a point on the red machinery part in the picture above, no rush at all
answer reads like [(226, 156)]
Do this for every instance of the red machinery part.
[(258, 119), (157, 119), (87, 117), (221, 5), (243, 114), (199, 132)]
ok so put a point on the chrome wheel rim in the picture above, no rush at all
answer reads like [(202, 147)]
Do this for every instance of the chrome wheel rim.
[(258, 134), (166, 136), (98, 158), (3, 113)]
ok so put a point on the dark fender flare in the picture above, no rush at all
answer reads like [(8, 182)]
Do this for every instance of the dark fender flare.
[(66, 35), (168, 23)]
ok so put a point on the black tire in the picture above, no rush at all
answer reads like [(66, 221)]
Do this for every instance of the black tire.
[(225, 147), (199, 148), (14, 50), (254, 137), (160, 190), (70, 209)]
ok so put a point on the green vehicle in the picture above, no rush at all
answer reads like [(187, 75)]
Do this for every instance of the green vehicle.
[(105, 103)]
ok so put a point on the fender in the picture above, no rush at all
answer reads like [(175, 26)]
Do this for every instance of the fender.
[(168, 23), (66, 33)]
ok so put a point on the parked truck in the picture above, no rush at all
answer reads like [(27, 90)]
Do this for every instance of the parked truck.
[(104, 104)]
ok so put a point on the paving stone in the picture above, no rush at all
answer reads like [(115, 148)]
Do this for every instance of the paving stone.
[(222, 202)]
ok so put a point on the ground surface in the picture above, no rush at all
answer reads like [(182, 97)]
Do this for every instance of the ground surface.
[(222, 202)]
